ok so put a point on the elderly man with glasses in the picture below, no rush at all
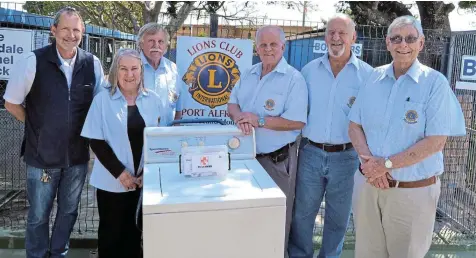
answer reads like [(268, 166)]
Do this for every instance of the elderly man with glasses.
[(399, 125)]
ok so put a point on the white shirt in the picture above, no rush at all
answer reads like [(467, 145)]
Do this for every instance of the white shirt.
[(23, 75), (107, 120)]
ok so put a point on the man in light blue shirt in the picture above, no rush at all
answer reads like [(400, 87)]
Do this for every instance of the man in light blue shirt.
[(327, 160), (271, 97), (399, 125), (160, 74)]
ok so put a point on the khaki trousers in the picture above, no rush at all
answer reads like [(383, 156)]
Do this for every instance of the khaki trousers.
[(395, 222)]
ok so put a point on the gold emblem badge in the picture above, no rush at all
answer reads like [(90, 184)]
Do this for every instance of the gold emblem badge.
[(351, 101), (210, 78), (269, 105), (411, 117)]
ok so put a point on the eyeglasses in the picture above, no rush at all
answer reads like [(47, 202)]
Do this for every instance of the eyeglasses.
[(408, 39)]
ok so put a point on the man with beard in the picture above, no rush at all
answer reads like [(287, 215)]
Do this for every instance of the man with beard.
[(327, 160)]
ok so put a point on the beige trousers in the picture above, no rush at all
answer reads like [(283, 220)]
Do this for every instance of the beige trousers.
[(395, 222)]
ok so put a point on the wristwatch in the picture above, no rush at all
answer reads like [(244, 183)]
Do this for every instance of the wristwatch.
[(261, 121), (388, 163)]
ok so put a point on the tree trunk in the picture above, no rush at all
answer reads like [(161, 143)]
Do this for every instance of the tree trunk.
[(150, 11), (178, 20), (434, 14), (435, 22), (377, 12)]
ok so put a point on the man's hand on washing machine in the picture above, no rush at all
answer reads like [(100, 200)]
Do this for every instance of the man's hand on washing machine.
[(248, 117), (246, 128), (127, 181)]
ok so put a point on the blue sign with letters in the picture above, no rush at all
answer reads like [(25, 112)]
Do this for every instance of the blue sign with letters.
[(320, 46), (468, 68)]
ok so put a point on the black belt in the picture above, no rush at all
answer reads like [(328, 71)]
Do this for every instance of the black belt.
[(332, 147), (279, 154)]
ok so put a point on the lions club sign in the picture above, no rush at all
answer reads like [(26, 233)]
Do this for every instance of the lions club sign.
[(209, 68), (210, 78)]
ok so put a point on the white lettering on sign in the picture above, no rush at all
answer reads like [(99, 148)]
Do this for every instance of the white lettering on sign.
[(320, 47), (468, 68), (13, 44)]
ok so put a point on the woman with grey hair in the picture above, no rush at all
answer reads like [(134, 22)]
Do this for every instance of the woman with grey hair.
[(115, 125)]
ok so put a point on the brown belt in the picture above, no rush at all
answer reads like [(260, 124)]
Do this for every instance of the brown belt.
[(413, 184), (332, 148)]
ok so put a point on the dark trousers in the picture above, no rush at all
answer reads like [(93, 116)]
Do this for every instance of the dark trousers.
[(118, 235)]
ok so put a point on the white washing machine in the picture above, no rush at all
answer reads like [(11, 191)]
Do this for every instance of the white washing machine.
[(241, 214)]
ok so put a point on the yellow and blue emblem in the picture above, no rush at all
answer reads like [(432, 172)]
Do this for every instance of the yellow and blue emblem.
[(269, 104), (351, 101), (411, 117), (210, 78)]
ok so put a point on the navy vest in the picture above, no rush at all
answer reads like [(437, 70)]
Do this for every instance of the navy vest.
[(55, 114)]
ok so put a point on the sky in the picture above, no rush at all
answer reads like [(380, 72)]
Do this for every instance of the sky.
[(460, 20)]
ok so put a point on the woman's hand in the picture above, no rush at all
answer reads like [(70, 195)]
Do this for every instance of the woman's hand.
[(127, 181), (139, 182)]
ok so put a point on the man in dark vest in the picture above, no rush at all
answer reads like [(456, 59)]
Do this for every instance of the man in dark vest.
[(57, 84)]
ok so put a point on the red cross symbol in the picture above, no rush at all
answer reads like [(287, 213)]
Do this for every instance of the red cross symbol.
[(204, 160)]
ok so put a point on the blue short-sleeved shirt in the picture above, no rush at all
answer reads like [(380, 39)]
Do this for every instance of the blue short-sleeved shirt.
[(164, 82), (107, 120), (330, 98), (396, 114), (281, 93)]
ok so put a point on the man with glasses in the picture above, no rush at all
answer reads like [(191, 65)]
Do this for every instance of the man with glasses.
[(327, 160), (399, 125), (160, 74), (271, 97)]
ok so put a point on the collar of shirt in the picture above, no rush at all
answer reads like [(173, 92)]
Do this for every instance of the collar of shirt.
[(118, 94), (146, 63), (414, 72), (280, 67), (63, 62), (324, 60)]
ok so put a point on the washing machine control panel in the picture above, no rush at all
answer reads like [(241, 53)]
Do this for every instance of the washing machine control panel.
[(166, 143)]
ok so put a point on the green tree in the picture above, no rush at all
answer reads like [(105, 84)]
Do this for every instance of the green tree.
[(433, 14), (126, 16)]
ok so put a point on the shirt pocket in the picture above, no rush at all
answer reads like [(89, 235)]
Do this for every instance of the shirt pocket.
[(272, 104), (347, 99), (85, 92), (413, 120)]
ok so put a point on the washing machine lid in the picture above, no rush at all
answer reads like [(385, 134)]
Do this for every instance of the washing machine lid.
[(246, 185)]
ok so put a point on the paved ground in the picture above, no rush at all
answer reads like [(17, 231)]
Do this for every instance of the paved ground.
[(83, 253)]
